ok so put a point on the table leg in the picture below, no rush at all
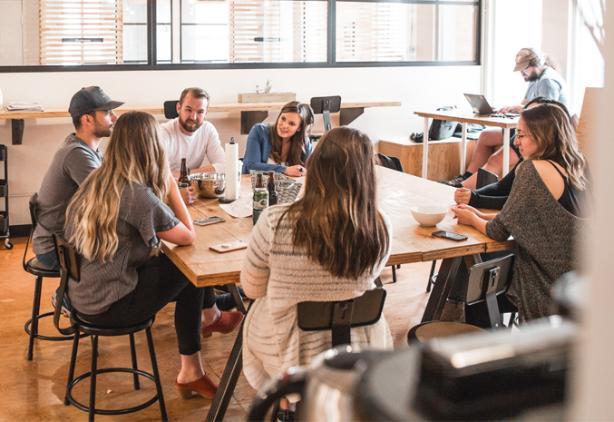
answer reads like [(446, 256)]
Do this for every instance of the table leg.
[(231, 373), (425, 149), (463, 151), (441, 289), (506, 151)]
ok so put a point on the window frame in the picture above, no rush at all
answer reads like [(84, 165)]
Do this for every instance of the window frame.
[(330, 55)]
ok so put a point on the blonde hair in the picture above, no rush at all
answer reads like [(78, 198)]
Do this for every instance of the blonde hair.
[(337, 220), (134, 156), (550, 127)]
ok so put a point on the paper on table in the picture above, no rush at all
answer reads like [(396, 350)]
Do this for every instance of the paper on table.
[(240, 208)]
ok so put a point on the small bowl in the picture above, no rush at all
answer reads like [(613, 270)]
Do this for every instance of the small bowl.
[(428, 215)]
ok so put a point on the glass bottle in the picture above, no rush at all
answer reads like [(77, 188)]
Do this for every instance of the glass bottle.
[(184, 180), (261, 198), (271, 189)]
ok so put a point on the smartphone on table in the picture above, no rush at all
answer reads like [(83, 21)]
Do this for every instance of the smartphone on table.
[(449, 235), (208, 220)]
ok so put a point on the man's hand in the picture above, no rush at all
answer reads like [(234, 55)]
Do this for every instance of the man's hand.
[(511, 109)]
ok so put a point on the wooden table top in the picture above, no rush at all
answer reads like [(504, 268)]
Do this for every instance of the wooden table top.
[(463, 117), (213, 108), (398, 192)]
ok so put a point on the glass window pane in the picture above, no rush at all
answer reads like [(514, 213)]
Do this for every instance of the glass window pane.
[(254, 31), (457, 32), (135, 43), (135, 11), (369, 32)]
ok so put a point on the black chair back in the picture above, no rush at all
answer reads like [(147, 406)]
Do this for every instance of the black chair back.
[(170, 109), (487, 280), (33, 205), (69, 268), (390, 162), (341, 316), (325, 106)]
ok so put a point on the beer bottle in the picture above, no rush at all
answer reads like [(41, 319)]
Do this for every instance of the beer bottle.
[(261, 198), (271, 188), (184, 180)]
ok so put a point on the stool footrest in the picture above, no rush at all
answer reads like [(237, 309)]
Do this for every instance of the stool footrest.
[(97, 411)]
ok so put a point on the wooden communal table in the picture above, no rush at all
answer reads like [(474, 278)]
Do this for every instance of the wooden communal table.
[(250, 113), (505, 123), (398, 192)]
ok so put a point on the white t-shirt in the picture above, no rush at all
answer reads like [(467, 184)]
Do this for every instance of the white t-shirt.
[(199, 149)]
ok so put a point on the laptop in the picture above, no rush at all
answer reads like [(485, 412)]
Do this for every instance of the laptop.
[(480, 106)]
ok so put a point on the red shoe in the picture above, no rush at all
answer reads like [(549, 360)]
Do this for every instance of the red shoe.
[(203, 387), (227, 322)]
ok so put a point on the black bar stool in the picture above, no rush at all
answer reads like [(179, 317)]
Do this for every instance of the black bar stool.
[(69, 268), (34, 267)]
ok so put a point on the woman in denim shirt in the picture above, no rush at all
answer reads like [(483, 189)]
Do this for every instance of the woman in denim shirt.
[(282, 147)]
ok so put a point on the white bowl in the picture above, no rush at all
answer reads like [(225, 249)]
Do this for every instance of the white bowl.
[(428, 215)]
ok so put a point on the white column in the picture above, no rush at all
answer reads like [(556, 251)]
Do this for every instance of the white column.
[(593, 380)]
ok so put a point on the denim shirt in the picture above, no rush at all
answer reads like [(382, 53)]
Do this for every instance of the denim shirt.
[(258, 150)]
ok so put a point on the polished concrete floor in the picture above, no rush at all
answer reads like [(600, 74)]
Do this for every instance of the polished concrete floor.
[(34, 390)]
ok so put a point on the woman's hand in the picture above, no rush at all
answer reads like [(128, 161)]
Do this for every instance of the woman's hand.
[(295, 171), (188, 195), (465, 214), (462, 195)]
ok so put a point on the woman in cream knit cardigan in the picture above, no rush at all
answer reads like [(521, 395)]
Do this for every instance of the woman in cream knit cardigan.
[(330, 245)]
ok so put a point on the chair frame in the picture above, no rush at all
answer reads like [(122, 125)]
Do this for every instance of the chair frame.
[(69, 269), (31, 325)]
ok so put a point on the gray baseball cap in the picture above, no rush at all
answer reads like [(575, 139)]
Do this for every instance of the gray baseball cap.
[(90, 99)]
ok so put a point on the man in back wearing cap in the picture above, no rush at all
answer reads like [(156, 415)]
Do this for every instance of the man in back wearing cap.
[(92, 115), (544, 81)]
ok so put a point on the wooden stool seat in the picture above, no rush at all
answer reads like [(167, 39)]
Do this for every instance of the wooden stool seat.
[(436, 329)]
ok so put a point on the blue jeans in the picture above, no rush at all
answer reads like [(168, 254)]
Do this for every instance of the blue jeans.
[(49, 260)]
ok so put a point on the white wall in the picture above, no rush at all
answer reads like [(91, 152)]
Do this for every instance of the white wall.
[(415, 87)]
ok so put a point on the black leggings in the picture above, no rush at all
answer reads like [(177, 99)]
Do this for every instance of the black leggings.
[(160, 282)]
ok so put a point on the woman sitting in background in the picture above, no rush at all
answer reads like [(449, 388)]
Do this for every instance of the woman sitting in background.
[(494, 195), (330, 245), (116, 220), (543, 210), (282, 147)]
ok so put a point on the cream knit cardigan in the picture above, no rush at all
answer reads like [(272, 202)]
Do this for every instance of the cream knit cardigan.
[(280, 276)]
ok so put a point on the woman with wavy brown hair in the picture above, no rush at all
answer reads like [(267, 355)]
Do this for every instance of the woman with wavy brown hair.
[(284, 146), (329, 245), (544, 209), (115, 221)]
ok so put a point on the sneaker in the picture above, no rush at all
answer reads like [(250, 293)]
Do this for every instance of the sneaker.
[(456, 182), (65, 304)]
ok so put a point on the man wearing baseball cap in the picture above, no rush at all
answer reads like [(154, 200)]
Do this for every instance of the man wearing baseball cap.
[(544, 81), (92, 115)]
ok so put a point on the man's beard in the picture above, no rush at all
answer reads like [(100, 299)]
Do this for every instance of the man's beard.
[(193, 128), (533, 77), (102, 132)]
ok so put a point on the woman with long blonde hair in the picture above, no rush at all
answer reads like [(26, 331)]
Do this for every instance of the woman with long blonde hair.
[(115, 221), (544, 209), (329, 245)]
